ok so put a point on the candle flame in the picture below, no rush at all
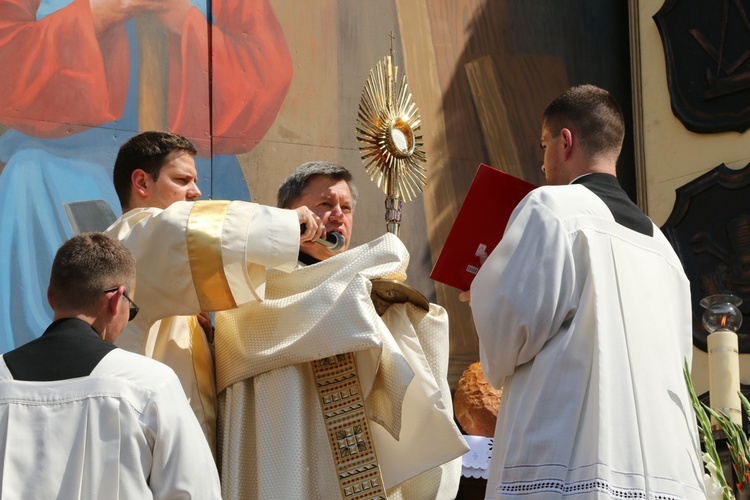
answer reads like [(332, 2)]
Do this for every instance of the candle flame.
[(724, 321)]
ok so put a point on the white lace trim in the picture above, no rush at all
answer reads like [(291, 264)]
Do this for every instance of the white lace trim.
[(579, 488)]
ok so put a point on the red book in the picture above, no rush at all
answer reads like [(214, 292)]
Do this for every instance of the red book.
[(479, 225)]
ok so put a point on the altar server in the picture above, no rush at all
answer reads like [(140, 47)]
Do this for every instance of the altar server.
[(583, 317), (82, 419)]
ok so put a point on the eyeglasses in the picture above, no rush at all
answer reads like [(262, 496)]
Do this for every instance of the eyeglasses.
[(133, 307)]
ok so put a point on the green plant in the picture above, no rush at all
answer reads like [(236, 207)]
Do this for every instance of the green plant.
[(715, 480)]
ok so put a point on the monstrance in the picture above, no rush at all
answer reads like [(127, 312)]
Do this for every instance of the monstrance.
[(388, 125)]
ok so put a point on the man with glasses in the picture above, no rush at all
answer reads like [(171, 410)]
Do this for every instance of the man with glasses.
[(84, 419), (133, 306)]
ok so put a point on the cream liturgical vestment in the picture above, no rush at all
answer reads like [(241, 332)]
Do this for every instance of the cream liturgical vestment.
[(586, 325), (273, 441), (192, 257)]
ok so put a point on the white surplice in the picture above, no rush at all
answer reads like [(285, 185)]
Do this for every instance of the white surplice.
[(192, 257), (124, 431), (273, 441), (586, 325)]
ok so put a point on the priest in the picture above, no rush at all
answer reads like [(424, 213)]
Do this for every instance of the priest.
[(274, 439)]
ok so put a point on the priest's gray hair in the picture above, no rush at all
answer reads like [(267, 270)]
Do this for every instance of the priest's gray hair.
[(294, 186)]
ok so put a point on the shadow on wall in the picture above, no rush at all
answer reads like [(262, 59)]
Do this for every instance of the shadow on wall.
[(518, 57)]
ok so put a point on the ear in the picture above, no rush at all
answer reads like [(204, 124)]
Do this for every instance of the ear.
[(50, 301), (567, 137), (140, 183), (115, 301)]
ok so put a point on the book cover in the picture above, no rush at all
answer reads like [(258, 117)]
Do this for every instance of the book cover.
[(479, 225)]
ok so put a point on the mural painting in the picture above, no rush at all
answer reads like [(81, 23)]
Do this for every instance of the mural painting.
[(270, 85), (83, 76)]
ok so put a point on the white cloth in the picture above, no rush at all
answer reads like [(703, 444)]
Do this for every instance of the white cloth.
[(476, 462), (273, 441), (193, 257), (586, 326), (125, 431)]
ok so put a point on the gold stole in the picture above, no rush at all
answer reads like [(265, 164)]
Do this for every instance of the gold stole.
[(345, 418)]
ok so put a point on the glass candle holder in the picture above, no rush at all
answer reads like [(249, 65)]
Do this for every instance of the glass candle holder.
[(722, 312)]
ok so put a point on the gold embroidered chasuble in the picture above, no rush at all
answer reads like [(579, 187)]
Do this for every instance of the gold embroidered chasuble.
[(272, 437)]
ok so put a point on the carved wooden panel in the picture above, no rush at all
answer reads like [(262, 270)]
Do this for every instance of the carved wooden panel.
[(706, 46), (710, 229)]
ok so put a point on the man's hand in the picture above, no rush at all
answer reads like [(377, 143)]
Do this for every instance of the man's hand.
[(314, 227), (205, 321)]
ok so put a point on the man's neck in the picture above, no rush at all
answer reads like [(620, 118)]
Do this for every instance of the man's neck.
[(96, 323), (306, 259), (591, 167)]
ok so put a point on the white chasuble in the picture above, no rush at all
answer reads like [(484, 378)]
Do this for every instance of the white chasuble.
[(197, 257), (586, 325), (273, 441)]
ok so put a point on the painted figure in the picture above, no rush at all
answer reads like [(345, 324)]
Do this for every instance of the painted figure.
[(80, 79)]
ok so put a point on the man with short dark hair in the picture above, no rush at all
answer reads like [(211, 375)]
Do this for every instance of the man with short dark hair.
[(145, 156), (84, 419), (194, 257), (583, 317)]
